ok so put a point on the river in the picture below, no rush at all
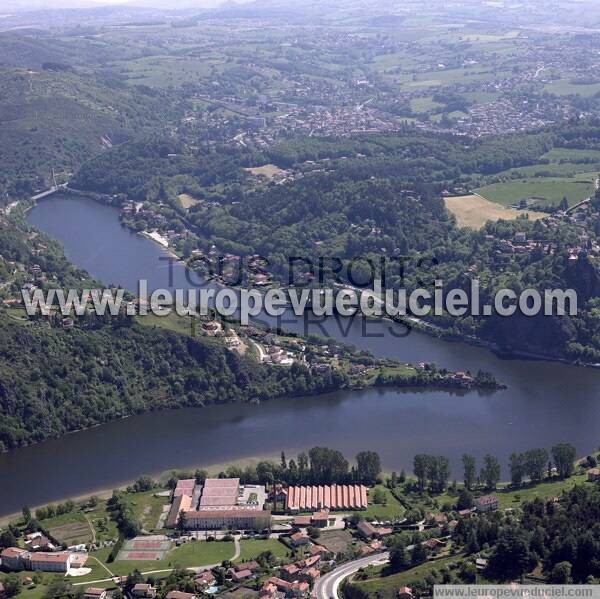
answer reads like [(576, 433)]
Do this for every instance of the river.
[(545, 402)]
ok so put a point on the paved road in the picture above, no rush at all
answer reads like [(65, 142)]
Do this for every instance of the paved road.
[(327, 586)]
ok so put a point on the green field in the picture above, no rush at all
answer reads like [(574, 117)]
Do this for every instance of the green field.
[(572, 155), (191, 554), (424, 104), (563, 87), (392, 508), (552, 189), (251, 549), (508, 498), (172, 322), (147, 507), (71, 529), (89, 525), (562, 170)]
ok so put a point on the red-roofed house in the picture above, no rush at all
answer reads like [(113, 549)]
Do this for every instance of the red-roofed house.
[(268, 591), (309, 562), (310, 575), (290, 572), (318, 550), (205, 579), (299, 589), (238, 576), (320, 518), (281, 585), (298, 539), (486, 503), (252, 566), (432, 544), (366, 529)]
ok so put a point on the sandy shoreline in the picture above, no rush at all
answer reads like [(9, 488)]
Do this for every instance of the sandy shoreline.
[(105, 493)]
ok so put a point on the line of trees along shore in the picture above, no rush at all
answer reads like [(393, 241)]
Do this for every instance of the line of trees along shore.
[(323, 465), (533, 464)]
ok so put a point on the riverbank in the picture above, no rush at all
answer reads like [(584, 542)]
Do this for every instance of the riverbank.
[(379, 378), (162, 477), (397, 423), (419, 324)]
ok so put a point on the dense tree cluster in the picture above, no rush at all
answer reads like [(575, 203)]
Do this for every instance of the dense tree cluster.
[(563, 535), (372, 196), (54, 381), (320, 465)]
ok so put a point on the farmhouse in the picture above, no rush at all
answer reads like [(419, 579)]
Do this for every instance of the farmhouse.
[(486, 503), (36, 541), (366, 529), (298, 539)]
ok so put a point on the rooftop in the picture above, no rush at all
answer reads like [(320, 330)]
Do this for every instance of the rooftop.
[(57, 558)]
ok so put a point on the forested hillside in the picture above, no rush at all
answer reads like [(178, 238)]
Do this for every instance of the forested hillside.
[(377, 196), (56, 113), (54, 381)]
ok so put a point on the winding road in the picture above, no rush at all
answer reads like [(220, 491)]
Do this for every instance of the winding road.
[(327, 586)]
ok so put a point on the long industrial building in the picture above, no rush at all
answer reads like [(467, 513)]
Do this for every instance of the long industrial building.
[(332, 497)]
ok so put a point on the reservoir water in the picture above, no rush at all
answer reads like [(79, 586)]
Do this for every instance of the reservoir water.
[(545, 402)]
